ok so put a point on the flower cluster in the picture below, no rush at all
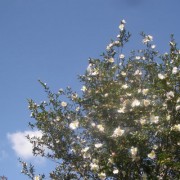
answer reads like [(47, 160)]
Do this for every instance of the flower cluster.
[(125, 124)]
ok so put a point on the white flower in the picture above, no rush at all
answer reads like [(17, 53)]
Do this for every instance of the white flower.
[(94, 166), (174, 70), (137, 57), (170, 95), (135, 103), (102, 175), (138, 72), (146, 102), (125, 86), (121, 110), (106, 95), (89, 68), (58, 118), (153, 46), (74, 96), (168, 117), (143, 58), (78, 108), (115, 171), (111, 60), (152, 154), (74, 124), (36, 178), (108, 48), (118, 132), (177, 108), (143, 121), (63, 104), (83, 88), (147, 39), (178, 100), (155, 147), (94, 73), (133, 151), (121, 26), (85, 150), (98, 145), (154, 119), (161, 76), (100, 127), (176, 127), (123, 73), (121, 56), (123, 21), (145, 91)]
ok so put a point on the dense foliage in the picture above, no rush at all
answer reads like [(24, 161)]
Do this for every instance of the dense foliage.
[(124, 125)]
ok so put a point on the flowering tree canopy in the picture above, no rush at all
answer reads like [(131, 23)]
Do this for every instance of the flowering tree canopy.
[(124, 125)]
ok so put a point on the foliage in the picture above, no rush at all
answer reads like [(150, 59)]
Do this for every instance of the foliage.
[(126, 123), (3, 178)]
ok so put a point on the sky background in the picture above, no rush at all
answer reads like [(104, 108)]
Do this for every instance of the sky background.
[(51, 40)]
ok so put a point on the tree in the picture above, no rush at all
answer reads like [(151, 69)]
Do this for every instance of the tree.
[(124, 125), (3, 178)]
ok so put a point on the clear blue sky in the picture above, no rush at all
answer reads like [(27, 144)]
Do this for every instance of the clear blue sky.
[(52, 40)]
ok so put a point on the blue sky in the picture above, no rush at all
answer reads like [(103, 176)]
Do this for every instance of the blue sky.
[(52, 40)]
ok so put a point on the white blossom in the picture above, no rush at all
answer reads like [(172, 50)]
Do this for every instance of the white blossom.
[(94, 166), (111, 60), (174, 70), (133, 151), (147, 39), (83, 88), (153, 46), (125, 86), (146, 102), (36, 178), (106, 95), (121, 26), (85, 149), (100, 127), (155, 147), (102, 175), (108, 48), (138, 73), (143, 121), (154, 119), (170, 95), (152, 155), (121, 56), (115, 171), (137, 57), (89, 68), (145, 91), (74, 124), (168, 117), (177, 108), (98, 145), (121, 110), (161, 76), (118, 132), (178, 100), (135, 103), (123, 21), (123, 73), (63, 104), (176, 127)]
